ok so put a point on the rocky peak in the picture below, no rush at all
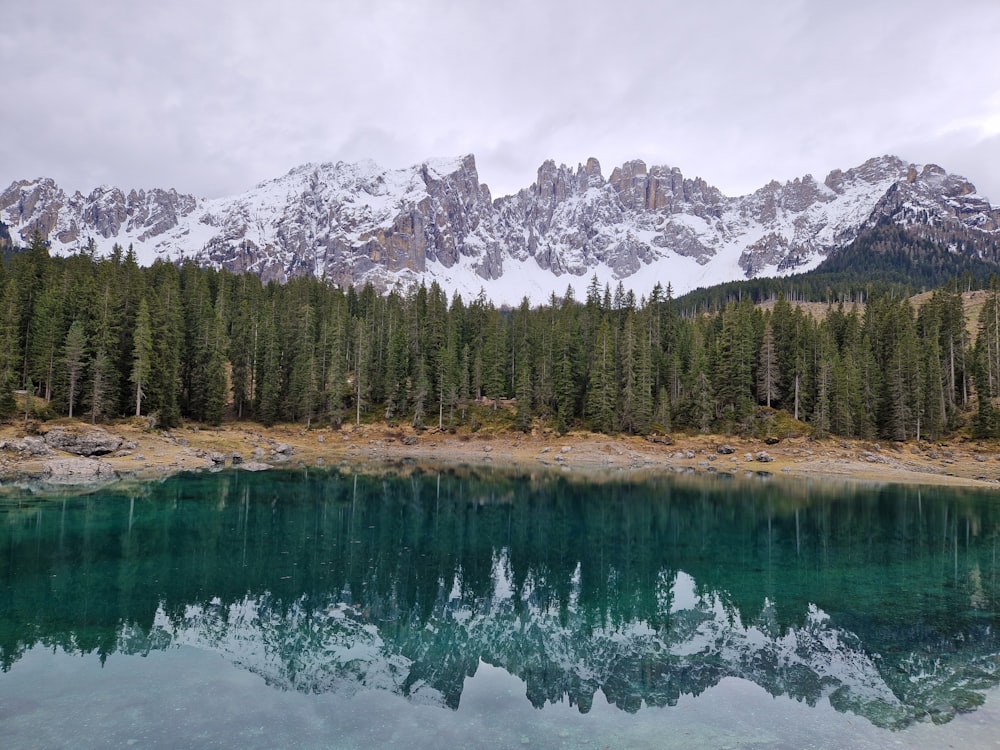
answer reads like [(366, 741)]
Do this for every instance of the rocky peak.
[(932, 196), (592, 171), (874, 171), (32, 206)]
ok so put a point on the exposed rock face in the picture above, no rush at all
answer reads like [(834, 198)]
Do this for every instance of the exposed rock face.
[(358, 223), (934, 197), (93, 442)]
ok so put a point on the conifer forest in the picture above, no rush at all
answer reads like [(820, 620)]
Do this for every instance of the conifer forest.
[(101, 338)]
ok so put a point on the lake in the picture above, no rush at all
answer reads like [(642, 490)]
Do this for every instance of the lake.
[(484, 609)]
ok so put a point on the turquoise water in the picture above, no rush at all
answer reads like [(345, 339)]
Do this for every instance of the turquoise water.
[(483, 609)]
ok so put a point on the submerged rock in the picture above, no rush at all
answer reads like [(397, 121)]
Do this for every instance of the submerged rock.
[(77, 471)]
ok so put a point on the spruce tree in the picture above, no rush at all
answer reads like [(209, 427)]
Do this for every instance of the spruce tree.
[(100, 386), (421, 392), (768, 374), (523, 389), (602, 387), (74, 352), (9, 357)]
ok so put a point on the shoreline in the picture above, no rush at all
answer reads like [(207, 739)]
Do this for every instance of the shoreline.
[(38, 458)]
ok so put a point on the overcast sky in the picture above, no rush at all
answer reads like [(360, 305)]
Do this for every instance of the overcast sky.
[(213, 96)]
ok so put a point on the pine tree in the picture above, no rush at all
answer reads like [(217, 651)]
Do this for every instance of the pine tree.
[(465, 378), (523, 387), (245, 342), (303, 378), (822, 407), (565, 377), (396, 374), (74, 352), (46, 337), (733, 361), (142, 354), (166, 322), (636, 380), (602, 389), (447, 379), (28, 274), (9, 357), (271, 377), (768, 374), (841, 417), (104, 335), (100, 386), (421, 393), (362, 366), (494, 357), (335, 376)]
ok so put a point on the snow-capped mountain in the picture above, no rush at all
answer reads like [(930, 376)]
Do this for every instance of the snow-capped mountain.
[(355, 223)]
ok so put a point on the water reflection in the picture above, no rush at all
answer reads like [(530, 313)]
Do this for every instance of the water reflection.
[(881, 603)]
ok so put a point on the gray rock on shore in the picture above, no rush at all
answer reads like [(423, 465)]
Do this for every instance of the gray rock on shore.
[(92, 442), (27, 446)]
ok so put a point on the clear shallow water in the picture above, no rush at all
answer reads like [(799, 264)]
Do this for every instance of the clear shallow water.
[(317, 609)]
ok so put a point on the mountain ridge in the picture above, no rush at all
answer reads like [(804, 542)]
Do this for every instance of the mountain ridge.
[(353, 223)]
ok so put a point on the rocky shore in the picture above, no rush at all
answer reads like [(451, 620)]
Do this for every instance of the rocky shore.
[(73, 453)]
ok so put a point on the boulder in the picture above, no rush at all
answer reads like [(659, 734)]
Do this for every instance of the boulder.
[(28, 446), (725, 450), (92, 442), (763, 457), (254, 466)]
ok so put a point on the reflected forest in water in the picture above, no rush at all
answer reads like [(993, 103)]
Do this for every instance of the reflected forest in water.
[(883, 602)]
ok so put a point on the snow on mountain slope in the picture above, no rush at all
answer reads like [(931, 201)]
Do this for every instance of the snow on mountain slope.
[(435, 221)]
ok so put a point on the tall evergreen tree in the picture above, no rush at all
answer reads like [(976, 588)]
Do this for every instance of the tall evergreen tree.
[(142, 354), (768, 374), (74, 352), (602, 396)]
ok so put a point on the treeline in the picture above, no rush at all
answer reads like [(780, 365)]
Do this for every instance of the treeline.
[(103, 338)]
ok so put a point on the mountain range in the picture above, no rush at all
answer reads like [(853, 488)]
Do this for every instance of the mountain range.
[(353, 223)]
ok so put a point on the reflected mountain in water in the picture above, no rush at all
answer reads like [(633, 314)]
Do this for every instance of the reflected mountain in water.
[(883, 603), (563, 655)]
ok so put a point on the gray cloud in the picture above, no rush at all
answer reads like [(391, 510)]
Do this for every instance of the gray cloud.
[(211, 97)]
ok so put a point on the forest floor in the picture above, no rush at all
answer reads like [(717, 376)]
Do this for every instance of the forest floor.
[(148, 454)]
